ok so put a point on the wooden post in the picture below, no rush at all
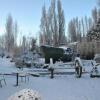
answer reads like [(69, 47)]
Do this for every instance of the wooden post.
[(52, 72), (0, 84), (16, 79)]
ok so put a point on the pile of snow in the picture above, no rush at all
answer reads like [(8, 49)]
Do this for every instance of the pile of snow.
[(97, 58), (63, 47), (79, 61), (25, 94)]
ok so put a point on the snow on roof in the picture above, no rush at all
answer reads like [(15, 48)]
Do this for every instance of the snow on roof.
[(46, 45), (73, 43), (25, 94), (63, 47)]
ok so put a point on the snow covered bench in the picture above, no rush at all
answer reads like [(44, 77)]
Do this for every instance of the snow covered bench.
[(24, 76), (61, 68)]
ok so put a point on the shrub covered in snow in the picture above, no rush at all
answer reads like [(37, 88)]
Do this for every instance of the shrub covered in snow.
[(25, 94), (97, 58)]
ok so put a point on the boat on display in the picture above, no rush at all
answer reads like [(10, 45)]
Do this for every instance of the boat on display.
[(64, 54)]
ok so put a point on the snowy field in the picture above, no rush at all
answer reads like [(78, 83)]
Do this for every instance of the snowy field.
[(62, 87)]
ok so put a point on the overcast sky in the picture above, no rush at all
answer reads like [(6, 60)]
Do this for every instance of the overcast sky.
[(28, 12)]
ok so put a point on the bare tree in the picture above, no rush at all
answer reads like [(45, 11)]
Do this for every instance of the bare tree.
[(98, 2), (43, 22), (61, 23), (15, 33), (99, 13), (41, 39), (2, 42), (44, 27), (83, 28), (33, 44), (53, 24), (23, 44), (54, 27), (75, 29), (90, 23), (95, 15), (9, 33), (72, 31), (86, 24)]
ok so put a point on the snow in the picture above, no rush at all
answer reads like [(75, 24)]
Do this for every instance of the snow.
[(79, 61), (73, 43), (97, 55), (26, 94), (6, 66), (61, 87), (63, 47)]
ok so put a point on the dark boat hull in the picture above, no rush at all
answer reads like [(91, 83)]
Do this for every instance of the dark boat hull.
[(56, 54)]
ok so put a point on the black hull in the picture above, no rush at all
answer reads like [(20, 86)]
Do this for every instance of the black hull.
[(56, 54)]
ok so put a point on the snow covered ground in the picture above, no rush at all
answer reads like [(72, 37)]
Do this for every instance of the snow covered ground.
[(62, 87), (26, 94)]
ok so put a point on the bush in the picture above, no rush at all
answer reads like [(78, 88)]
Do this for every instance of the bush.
[(87, 50)]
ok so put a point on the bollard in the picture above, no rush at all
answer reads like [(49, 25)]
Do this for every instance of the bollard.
[(52, 72), (16, 79)]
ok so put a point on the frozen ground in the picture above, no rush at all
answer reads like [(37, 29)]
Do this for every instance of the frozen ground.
[(62, 87)]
